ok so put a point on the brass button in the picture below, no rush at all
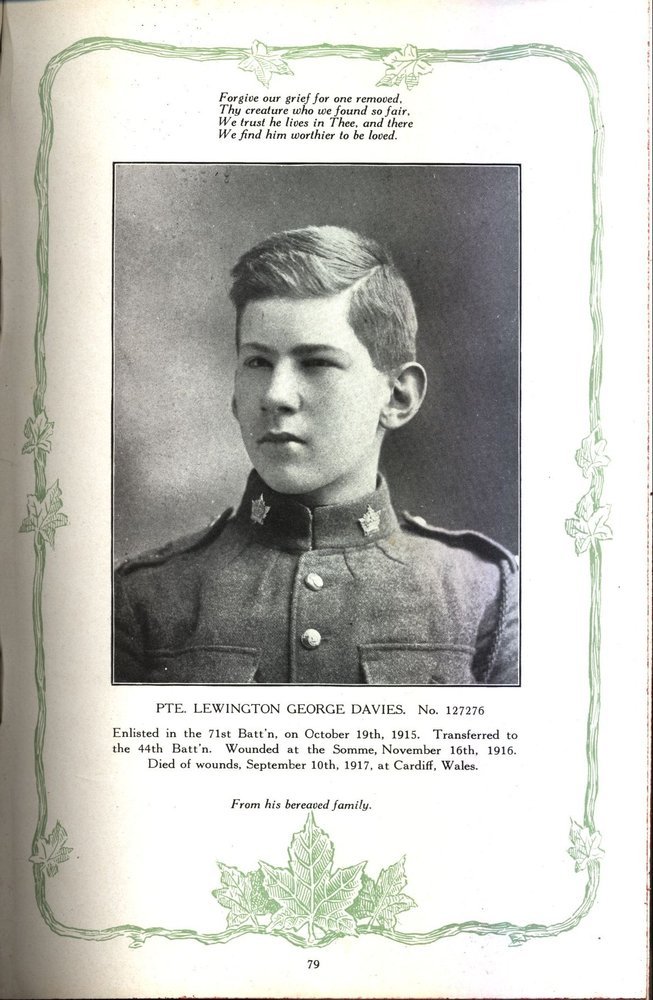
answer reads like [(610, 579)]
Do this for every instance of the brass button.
[(311, 638), (314, 581)]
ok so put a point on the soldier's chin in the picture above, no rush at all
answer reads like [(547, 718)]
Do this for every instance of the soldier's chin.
[(287, 480)]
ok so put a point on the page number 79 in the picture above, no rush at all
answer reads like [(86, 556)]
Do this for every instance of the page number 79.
[(314, 963)]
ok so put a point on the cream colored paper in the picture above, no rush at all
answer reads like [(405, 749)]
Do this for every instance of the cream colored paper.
[(487, 848)]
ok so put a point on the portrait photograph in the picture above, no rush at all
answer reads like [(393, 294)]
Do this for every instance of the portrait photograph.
[(316, 424)]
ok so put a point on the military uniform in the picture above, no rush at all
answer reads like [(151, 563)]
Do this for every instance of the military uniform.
[(343, 594)]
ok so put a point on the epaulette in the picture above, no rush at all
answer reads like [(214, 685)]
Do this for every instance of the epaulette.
[(155, 557), (480, 543)]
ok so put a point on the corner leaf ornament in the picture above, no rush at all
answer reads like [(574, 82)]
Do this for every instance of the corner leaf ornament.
[(52, 851), (589, 526), (310, 902), (585, 846), (44, 516), (264, 65), (405, 66), (591, 454), (38, 431)]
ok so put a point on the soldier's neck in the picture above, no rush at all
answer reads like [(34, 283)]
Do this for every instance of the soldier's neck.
[(348, 491)]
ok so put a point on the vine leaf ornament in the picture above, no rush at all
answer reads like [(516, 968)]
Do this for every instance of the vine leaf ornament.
[(44, 516), (51, 851), (38, 431), (243, 895), (264, 65), (517, 939), (589, 526), (591, 454), (585, 846), (404, 66)]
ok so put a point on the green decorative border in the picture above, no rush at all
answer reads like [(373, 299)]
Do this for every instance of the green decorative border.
[(308, 895)]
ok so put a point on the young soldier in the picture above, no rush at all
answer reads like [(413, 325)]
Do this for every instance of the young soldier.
[(313, 579)]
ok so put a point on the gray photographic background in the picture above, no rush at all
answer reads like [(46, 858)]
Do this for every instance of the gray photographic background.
[(453, 231)]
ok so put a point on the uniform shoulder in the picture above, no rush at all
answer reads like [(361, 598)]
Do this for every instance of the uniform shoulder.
[(180, 546), (472, 541)]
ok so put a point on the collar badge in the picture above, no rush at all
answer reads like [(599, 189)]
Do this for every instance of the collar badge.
[(259, 510), (370, 521)]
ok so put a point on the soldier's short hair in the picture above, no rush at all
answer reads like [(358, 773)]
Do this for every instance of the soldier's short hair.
[(323, 260)]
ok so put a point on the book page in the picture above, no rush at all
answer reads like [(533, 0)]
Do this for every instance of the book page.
[(395, 754)]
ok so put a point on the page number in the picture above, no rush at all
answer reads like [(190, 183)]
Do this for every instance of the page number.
[(314, 963)]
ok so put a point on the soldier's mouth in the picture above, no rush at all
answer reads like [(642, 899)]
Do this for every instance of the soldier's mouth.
[(279, 437)]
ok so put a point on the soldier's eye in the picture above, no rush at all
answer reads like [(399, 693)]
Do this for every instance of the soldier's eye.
[(257, 362), (320, 363)]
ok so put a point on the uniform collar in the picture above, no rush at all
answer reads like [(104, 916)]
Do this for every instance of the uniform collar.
[(278, 520)]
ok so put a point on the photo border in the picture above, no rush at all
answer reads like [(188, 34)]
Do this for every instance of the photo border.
[(117, 563), (588, 527)]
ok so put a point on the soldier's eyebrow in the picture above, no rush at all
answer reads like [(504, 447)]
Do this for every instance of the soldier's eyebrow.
[(300, 351), (307, 350), (253, 345)]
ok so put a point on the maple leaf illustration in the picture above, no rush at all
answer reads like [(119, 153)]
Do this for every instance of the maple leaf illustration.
[(242, 893), (38, 431), (591, 454), (264, 65), (363, 906), (309, 891), (43, 516), (404, 66), (51, 851), (585, 846), (589, 526), (382, 901)]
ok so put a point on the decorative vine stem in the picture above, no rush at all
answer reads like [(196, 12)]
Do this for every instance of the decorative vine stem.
[(589, 527)]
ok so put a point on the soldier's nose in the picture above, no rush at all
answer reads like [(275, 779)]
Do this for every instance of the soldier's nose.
[(282, 391)]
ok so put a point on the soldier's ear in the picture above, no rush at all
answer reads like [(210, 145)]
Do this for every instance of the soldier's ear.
[(234, 407), (407, 391)]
